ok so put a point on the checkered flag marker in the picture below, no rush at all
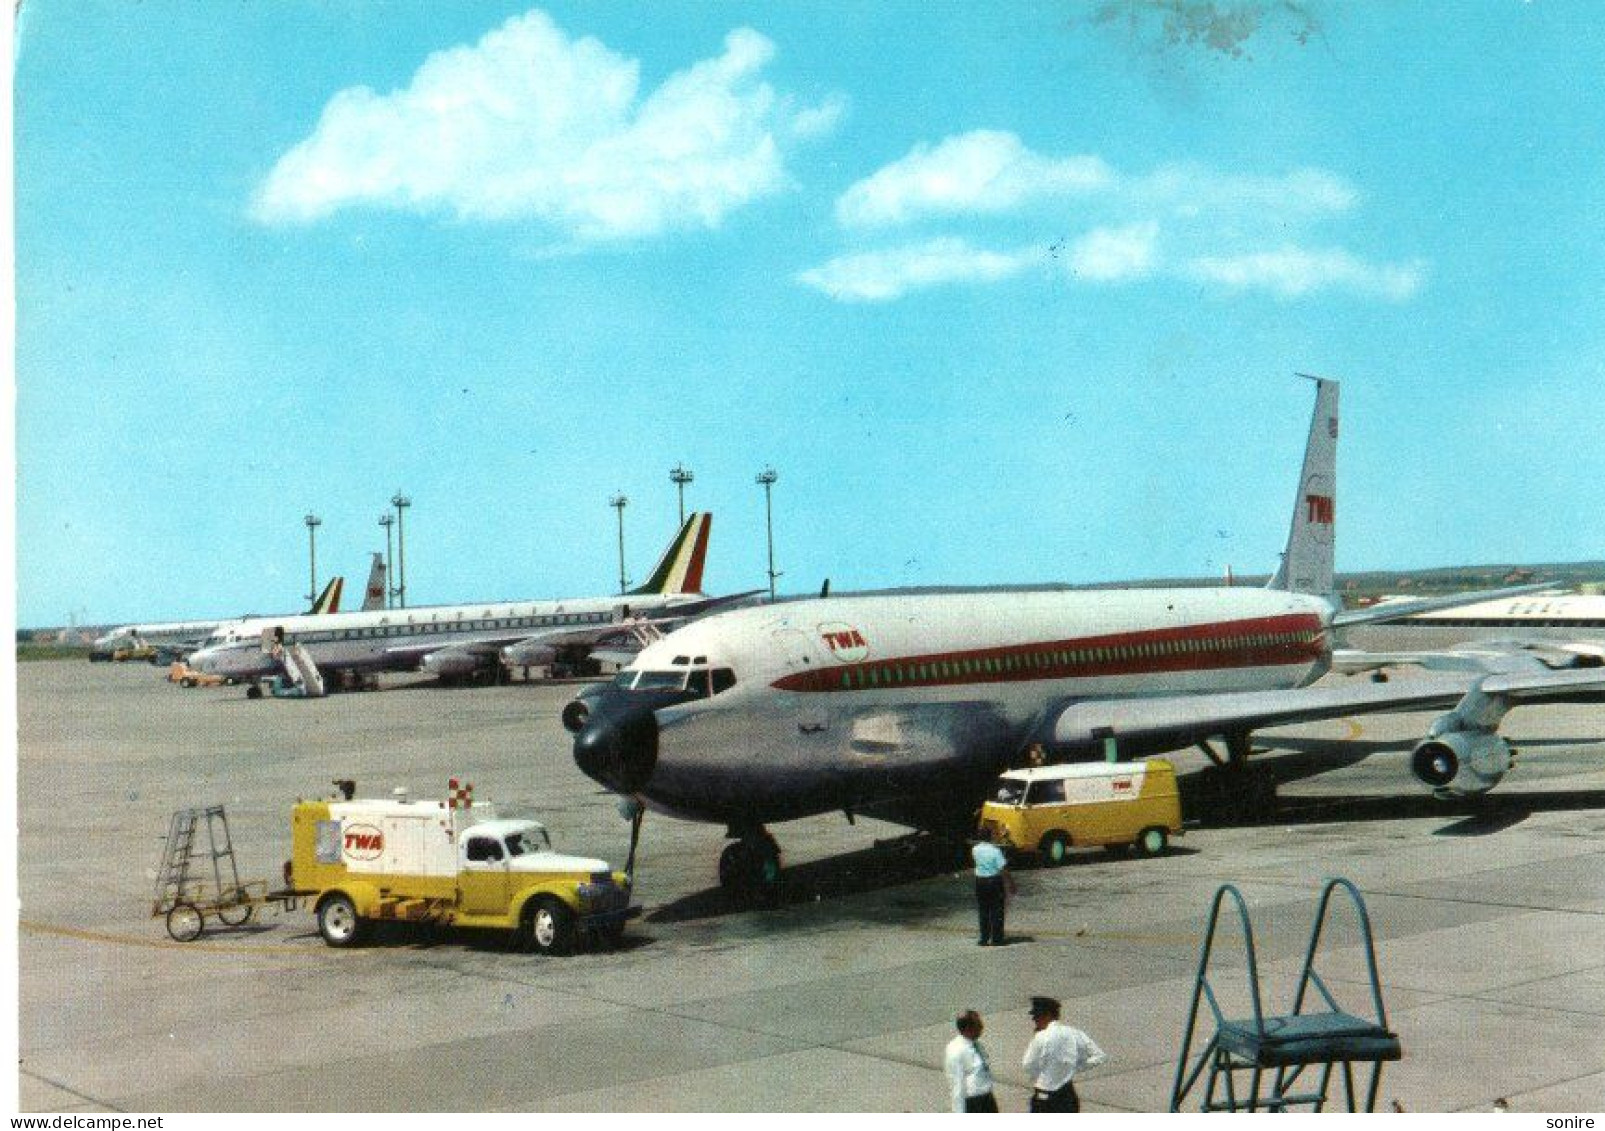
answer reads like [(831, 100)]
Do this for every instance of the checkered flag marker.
[(459, 795)]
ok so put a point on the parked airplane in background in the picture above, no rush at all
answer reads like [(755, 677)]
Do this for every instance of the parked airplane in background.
[(1530, 633), (455, 641), (174, 640), (907, 707)]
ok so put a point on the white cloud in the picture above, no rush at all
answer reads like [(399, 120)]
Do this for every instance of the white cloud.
[(879, 276), (530, 123), (982, 171), (1108, 255), (1195, 190), (1292, 272)]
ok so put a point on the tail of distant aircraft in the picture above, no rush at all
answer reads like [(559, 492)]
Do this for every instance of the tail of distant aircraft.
[(680, 570), (374, 597), (1307, 564), (329, 600)]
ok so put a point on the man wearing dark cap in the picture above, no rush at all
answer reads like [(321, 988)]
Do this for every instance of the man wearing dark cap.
[(1054, 1057), (969, 1075)]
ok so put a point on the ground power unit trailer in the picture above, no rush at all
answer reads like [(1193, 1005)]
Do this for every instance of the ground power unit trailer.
[(452, 862)]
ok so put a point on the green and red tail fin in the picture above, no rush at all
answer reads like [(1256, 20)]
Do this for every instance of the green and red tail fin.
[(329, 600), (680, 569)]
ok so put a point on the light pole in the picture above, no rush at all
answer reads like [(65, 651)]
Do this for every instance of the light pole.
[(766, 480), (618, 502), (387, 520), (680, 475), (401, 503), (313, 522)]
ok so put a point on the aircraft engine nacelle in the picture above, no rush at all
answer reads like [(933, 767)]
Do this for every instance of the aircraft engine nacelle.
[(1462, 763), (450, 662)]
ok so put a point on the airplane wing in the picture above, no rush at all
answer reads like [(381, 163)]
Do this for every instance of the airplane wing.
[(1171, 722)]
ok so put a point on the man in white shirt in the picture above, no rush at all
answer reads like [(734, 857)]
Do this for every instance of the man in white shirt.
[(969, 1077), (1054, 1057)]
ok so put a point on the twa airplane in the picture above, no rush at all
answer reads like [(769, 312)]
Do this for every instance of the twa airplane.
[(907, 707), (453, 641)]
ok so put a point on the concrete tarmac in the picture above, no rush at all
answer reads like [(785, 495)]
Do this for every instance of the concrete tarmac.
[(1490, 922)]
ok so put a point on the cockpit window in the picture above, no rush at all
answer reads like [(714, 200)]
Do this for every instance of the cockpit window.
[(660, 681), (723, 680), (699, 682), (1010, 792)]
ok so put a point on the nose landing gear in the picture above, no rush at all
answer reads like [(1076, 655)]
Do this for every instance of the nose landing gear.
[(749, 869)]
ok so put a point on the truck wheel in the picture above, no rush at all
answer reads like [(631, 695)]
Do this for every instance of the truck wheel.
[(1151, 842), (338, 922), (548, 926), (184, 922), (254, 691), (1054, 849)]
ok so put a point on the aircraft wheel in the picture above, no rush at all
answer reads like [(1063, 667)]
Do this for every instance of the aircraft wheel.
[(1054, 849), (750, 866), (1151, 842), (254, 691)]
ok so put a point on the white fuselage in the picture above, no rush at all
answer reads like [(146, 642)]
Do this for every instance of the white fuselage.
[(399, 639), (837, 701)]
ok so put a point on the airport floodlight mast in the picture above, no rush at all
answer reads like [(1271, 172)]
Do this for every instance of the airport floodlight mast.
[(766, 480), (680, 475), (618, 502), (387, 520), (313, 522), (401, 503)]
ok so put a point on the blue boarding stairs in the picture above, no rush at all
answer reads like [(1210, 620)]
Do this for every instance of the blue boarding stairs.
[(1276, 1051)]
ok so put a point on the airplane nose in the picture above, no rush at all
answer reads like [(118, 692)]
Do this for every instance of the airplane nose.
[(618, 750)]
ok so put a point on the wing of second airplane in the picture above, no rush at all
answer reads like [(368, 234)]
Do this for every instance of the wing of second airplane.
[(1141, 725)]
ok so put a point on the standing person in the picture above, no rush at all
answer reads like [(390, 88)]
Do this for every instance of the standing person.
[(993, 883), (1054, 1056), (969, 1075)]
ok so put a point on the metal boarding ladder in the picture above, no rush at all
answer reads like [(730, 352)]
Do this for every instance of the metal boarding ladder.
[(302, 671), (177, 880), (1284, 1046)]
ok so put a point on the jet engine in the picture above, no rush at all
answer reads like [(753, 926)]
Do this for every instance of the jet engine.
[(451, 662), (1461, 763)]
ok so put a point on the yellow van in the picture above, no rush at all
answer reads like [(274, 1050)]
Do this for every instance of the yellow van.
[(1115, 805)]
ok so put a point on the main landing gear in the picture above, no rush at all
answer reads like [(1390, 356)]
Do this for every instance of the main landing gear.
[(749, 868)]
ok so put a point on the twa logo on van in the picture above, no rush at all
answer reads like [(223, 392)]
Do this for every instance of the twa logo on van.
[(845, 642), (363, 842)]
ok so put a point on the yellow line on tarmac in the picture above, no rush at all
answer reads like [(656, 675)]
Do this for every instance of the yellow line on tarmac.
[(161, 944)]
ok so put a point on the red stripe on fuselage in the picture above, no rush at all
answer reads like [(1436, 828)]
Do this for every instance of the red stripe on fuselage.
[(1260, 642)]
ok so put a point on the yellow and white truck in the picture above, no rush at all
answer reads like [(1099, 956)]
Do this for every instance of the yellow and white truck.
[(357, 862), (1116, 805)]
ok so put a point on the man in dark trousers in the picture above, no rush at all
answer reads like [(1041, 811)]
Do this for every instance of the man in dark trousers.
[(993, 883), (969, 1076), (1054, 1057)]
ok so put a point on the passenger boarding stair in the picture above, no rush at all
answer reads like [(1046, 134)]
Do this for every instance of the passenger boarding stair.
[(1283, 1047), (302, 672)]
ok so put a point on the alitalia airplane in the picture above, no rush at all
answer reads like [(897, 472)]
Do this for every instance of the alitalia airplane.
[(171, 640), (455, 640), (907, 707), (1534, 632)]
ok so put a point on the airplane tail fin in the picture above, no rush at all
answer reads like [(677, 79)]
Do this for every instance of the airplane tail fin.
[(1307, 563), (374, 597), (680, 569), (329, 600)]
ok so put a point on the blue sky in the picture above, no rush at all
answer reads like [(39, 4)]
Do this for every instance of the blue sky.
[(1005, 294)]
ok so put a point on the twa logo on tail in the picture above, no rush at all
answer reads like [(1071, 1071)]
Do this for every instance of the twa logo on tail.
[(1321, 509)]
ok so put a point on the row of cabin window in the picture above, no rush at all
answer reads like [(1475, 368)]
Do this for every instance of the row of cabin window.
[(450, 626), (875, 676)]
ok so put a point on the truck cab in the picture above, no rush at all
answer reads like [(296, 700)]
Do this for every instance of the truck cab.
[(359, 862)]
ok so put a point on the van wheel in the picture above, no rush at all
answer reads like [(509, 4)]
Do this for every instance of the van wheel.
[(338, 922), (1151, 842), (548, 926), (1054, 849)]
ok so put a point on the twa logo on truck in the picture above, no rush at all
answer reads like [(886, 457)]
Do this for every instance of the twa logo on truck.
[(363, 842)]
